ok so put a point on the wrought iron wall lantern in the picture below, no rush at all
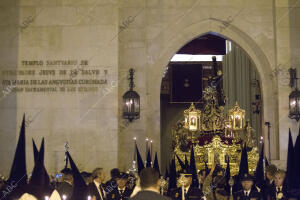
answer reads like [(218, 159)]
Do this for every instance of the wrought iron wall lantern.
[(294, 97), (131, 101)]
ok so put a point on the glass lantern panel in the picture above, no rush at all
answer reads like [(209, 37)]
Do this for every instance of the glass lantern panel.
[(238, 121), (136, 105), (193, 123), (126, 105), (293, 103), (298, 105)]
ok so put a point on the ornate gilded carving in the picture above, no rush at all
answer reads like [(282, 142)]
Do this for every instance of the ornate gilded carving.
[(213, 118), (216, 139)]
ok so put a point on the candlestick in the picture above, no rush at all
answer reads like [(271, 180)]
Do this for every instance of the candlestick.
[(261, 139), (147, 143), (161, 186)]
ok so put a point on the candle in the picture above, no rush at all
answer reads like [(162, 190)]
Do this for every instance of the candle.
[(128, 106), (237, 121), (46, 198), (89, 198), (261, 139), (64, 197), (193, 120)]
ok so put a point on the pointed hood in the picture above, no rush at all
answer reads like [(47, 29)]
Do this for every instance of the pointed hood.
[(242, 170), (260, 172), (42, 152), (149, 160), (182, 165), (36, 155), (296, 164), (39, 182), (244, 162), (186, 162), (156, 165), (18, 172), (35, 151), (289, 164), (193, 169), (39, 175), (266, 161), (80, 187), (227, 177), (172, 179), (140, 162), (166, 173)]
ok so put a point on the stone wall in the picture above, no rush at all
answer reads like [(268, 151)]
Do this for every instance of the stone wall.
[(50, 32), (114, 36)]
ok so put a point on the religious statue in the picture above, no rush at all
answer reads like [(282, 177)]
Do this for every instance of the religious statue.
[(213, 113)]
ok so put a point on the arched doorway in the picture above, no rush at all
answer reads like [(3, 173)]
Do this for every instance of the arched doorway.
[(189, 78)]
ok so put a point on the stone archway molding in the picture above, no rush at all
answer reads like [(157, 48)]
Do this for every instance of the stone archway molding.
[(186, 33)]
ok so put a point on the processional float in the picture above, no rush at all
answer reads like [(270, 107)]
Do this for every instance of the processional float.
[(214, 136)]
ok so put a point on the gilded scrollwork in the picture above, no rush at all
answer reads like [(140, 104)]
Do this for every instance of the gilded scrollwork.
[(211, 142)]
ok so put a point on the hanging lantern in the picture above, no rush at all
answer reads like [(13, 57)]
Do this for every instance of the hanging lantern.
[(294, 105), (294, 97), (237, 118), (192, 118), (131, 101)]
